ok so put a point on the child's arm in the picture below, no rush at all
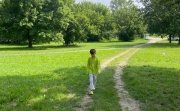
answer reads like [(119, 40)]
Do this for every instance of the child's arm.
[(98, 66), (88, 66)]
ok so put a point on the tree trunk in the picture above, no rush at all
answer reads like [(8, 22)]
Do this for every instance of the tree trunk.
[(170, 38), (29, 39), (179, 40)]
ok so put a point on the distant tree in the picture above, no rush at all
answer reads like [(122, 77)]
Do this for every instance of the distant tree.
[(128, 18), (163, 16), (95, 21), (71, 33)]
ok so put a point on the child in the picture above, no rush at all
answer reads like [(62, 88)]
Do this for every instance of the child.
[(93, 67)]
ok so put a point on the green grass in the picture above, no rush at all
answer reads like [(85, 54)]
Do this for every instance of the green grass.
[(51, 48), (105, 97), (48, 78), (153, 77)]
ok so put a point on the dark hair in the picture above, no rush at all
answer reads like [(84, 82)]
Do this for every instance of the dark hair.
[(92, 51)]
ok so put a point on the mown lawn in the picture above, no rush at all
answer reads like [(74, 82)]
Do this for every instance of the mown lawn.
[(48, 78), (153, 77), (56, 48)]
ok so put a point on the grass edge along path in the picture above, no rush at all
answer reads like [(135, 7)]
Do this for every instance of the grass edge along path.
[(87, 100), (154, 81), (126, 102)]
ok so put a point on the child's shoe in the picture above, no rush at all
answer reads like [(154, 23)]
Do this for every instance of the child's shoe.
[(91, 93)]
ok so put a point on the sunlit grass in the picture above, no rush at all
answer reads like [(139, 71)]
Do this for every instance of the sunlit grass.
[(153, 77), (47, 81)]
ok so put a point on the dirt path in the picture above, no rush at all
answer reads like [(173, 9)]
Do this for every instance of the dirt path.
[(87, 100), (126, 102)]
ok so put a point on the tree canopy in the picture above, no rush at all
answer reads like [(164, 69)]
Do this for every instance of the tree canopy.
[(34, 20), (128, 19), (39, 21), (162, 16)]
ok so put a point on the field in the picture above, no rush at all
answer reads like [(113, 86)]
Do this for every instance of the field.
[(53, 78), (153, 77), (49, 77)]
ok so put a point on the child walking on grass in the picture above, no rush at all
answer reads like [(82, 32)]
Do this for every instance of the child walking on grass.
[(93, 67)]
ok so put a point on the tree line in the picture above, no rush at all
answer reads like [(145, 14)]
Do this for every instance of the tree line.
[(64, 21)]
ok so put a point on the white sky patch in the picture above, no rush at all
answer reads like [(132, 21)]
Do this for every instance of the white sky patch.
[(107, 2)]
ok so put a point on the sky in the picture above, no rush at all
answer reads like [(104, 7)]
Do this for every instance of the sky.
[(107, 2)]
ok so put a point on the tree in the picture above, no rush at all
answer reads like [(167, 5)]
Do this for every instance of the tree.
[(73, 33), (163, 17), (128, 18), (95, 21), (34, 20)]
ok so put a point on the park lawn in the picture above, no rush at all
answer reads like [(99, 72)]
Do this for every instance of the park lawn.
[(153, 77), (106, 97), (44, 82), (38, 80), (59, 48)]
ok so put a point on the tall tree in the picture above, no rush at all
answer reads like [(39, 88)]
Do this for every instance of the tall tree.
[(34, 20)]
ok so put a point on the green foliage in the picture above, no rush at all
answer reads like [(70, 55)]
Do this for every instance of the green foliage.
[(34, 20), (95, 20), (162, 17), (39, 21), (128, 18)]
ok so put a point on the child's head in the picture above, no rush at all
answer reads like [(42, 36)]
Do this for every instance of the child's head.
[(93, 52)]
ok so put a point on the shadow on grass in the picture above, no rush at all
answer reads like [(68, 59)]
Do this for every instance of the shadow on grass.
[(156, 87), (45, 47), (122, 44), (58, 91), (156, 45), (165, 45), (25, 48)]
